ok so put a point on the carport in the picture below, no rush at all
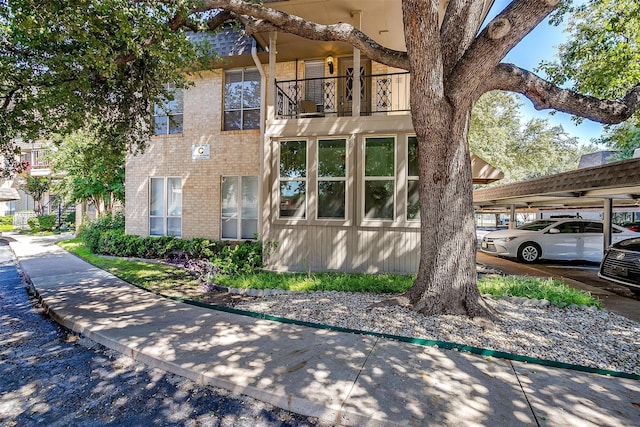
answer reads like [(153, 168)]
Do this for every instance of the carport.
[(611, 185)]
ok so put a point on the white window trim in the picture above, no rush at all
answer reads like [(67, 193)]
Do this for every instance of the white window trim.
[(165, 216), (170, 114), (241, 109), (239, 216), (305, 179), (364, 179), (409, 179), (333, 179)]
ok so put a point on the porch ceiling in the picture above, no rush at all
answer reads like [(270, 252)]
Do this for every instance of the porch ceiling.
[(380, 19), (582, 188)]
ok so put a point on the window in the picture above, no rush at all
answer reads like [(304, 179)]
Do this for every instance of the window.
[(313, 89), (40, 158), (167, 117), (241, 99), (413, 205), (593, 227), (379, 178), (165, 210), (332, 178), (239, 207), (293, 179), (570, 227)]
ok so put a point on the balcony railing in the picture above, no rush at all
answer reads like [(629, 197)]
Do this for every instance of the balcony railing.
[(333, 96)]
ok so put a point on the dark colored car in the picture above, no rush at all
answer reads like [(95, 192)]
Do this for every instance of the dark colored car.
[(633, 226), (621, 264)]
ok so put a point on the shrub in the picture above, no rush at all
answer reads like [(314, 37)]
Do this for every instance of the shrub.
[(33, 223), (242, 258), (106, 236), (90, 230), (46, 222), (42, 222), (6, 220), (70, 218)]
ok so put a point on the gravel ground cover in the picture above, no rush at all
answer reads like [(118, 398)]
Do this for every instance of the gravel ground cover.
[(51, 377), (578, 335)]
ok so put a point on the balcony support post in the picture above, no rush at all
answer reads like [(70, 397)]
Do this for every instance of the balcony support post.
[(356, 101)]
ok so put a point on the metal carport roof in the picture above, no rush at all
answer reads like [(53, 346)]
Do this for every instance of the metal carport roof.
[(613, 184), (581, 188)]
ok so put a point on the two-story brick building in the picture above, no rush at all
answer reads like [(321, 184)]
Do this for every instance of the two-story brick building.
[(307, 144)]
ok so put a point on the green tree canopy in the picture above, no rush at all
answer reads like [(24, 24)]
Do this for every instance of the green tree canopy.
[(601, 58), (522, 150), (67, 63), (92, 171), (36, 187)]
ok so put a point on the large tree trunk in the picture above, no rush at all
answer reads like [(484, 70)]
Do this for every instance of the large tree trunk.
[(446, 281)]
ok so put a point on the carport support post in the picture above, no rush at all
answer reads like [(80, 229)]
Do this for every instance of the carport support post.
[(608, 213), (512, 217)]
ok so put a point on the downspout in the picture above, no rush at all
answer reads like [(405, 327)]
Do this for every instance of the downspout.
[(263, 108)]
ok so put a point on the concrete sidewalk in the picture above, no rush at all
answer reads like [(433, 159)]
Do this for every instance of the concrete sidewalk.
[(341, 378)]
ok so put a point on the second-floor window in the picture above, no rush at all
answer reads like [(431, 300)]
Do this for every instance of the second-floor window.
[(167, 117), (241, 99)]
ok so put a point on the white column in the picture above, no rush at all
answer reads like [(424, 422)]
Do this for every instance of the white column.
[(355, 103)]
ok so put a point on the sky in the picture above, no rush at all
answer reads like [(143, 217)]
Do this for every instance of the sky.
[(540, 45)]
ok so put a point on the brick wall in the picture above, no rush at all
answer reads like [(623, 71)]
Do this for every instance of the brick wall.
[(232, 153)]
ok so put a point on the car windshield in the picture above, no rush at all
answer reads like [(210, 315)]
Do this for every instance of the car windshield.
[(536, 225)]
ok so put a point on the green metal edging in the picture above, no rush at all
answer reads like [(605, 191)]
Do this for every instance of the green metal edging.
[(418, 341)]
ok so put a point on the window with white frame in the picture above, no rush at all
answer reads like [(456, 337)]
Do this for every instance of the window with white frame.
[(293, 179), (313, 89), (165, 206), (332, 178), (241, 99), (413, 205), (379, 178), (239, 207), (168, 116)]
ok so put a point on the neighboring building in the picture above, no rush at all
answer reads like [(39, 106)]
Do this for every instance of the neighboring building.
[(302, 143), (34, 153), (598, 158)]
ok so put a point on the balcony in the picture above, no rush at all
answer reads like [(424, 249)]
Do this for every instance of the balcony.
[(380, 94)]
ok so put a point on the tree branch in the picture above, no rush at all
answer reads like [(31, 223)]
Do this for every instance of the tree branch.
[(265, 17), (178, 21), (501, 34), (461, 22), (546, 95)]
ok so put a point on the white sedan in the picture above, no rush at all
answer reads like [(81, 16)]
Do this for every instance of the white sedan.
[(561, 239)]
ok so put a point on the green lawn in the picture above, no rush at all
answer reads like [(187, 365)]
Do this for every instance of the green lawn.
[(158, 277), (175, 281)]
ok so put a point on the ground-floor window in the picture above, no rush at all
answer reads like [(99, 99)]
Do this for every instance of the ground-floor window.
[(413, 207), (239, 207), (165, 206), (293, 179), (379, 178), (332, 178)]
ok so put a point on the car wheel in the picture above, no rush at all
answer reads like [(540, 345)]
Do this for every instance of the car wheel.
[(529, 252)]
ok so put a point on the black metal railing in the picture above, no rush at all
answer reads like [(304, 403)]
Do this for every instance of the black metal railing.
[(333, 96)]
